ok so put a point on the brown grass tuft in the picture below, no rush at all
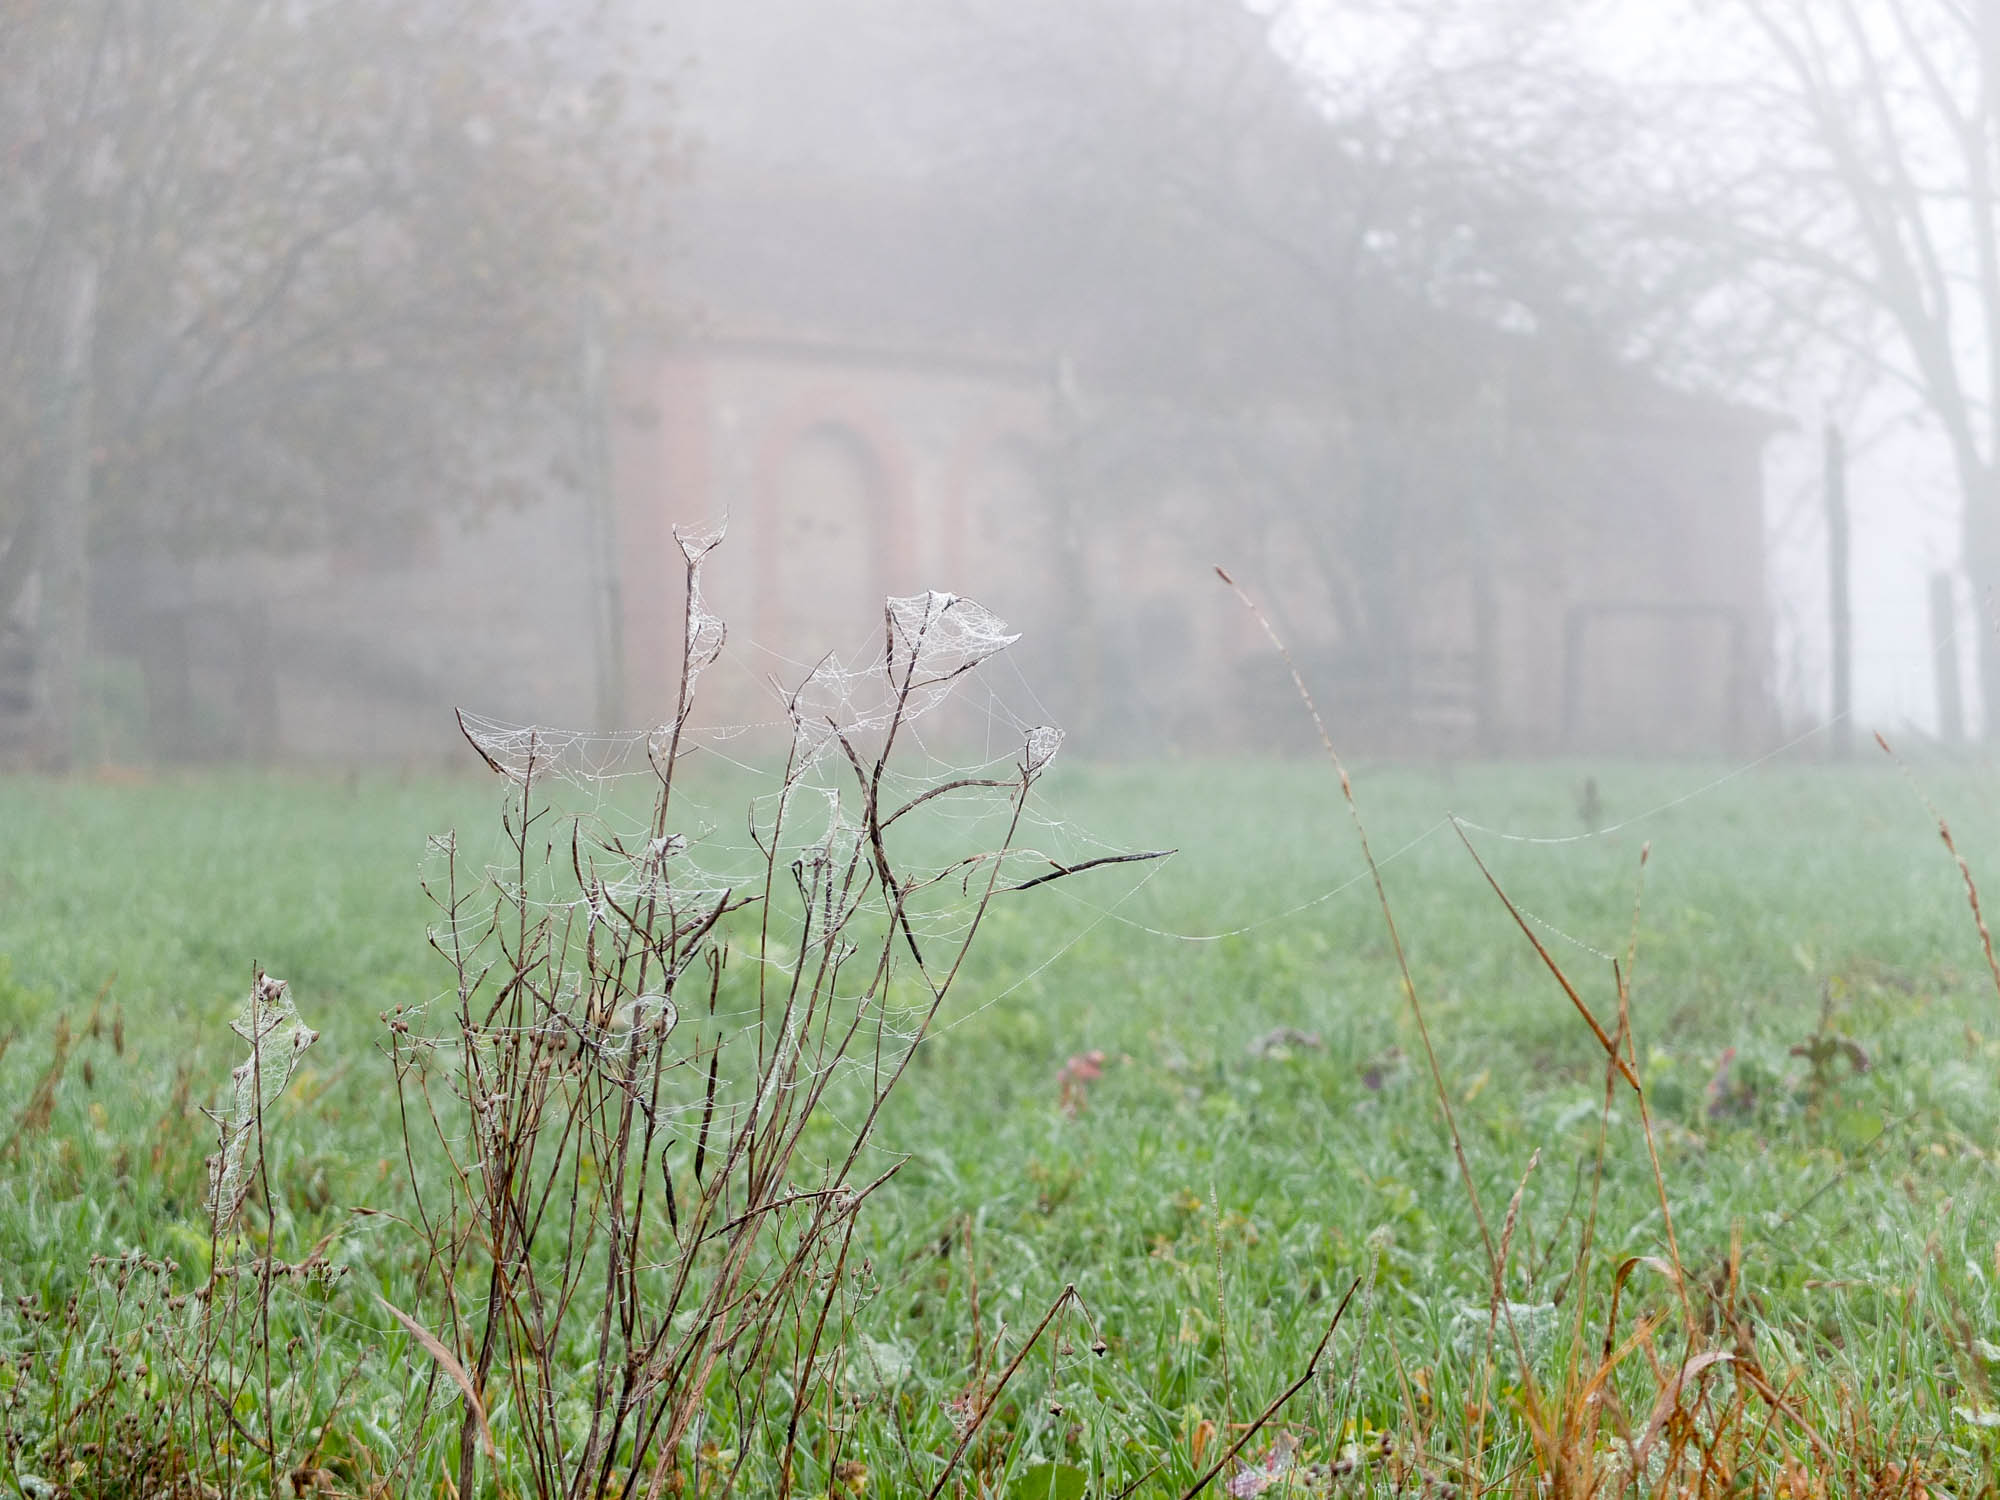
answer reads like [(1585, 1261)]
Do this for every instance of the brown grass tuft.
[(41, 1106)]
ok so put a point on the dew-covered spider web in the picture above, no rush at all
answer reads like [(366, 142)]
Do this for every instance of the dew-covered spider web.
[(909, 766), (270, 1027)]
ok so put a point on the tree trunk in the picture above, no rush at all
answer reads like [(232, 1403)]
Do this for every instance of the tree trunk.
[(63, 496), (1078, 696), (600, 503), (1840, 621), (1982, 571), (18, 559), (1944, 658)]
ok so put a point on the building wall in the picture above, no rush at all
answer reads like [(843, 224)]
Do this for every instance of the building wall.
[(495, 615), (1608, 599), (361, 655), (839, 483)]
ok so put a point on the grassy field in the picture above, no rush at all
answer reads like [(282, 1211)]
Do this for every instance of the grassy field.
[(1813, 1022)]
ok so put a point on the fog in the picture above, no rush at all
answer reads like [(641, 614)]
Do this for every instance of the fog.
[(361, 360)]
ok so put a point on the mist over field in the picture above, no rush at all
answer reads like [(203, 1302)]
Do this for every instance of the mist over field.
[(361, 359), (1010, 748)]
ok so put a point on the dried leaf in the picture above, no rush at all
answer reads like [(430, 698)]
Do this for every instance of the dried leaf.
[(449, 1363)]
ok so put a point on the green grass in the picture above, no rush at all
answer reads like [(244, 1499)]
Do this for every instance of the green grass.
[(1210, 1206)]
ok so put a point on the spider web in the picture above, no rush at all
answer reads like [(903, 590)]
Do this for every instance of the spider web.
[(917, 728), (269, 1024)]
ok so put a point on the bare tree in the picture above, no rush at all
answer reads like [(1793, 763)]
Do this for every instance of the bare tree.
[(272, 273), (1849, 185), (1296, 274)]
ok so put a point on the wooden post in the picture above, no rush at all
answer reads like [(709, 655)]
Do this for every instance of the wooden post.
[(1840, 616), (1944, 659)]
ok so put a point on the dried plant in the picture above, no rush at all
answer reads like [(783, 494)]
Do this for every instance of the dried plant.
[(631, 1243), (228, 1389), (1705, 1419)]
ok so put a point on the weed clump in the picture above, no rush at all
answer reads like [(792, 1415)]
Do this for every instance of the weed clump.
[(641, 1241), (637, 1135)]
